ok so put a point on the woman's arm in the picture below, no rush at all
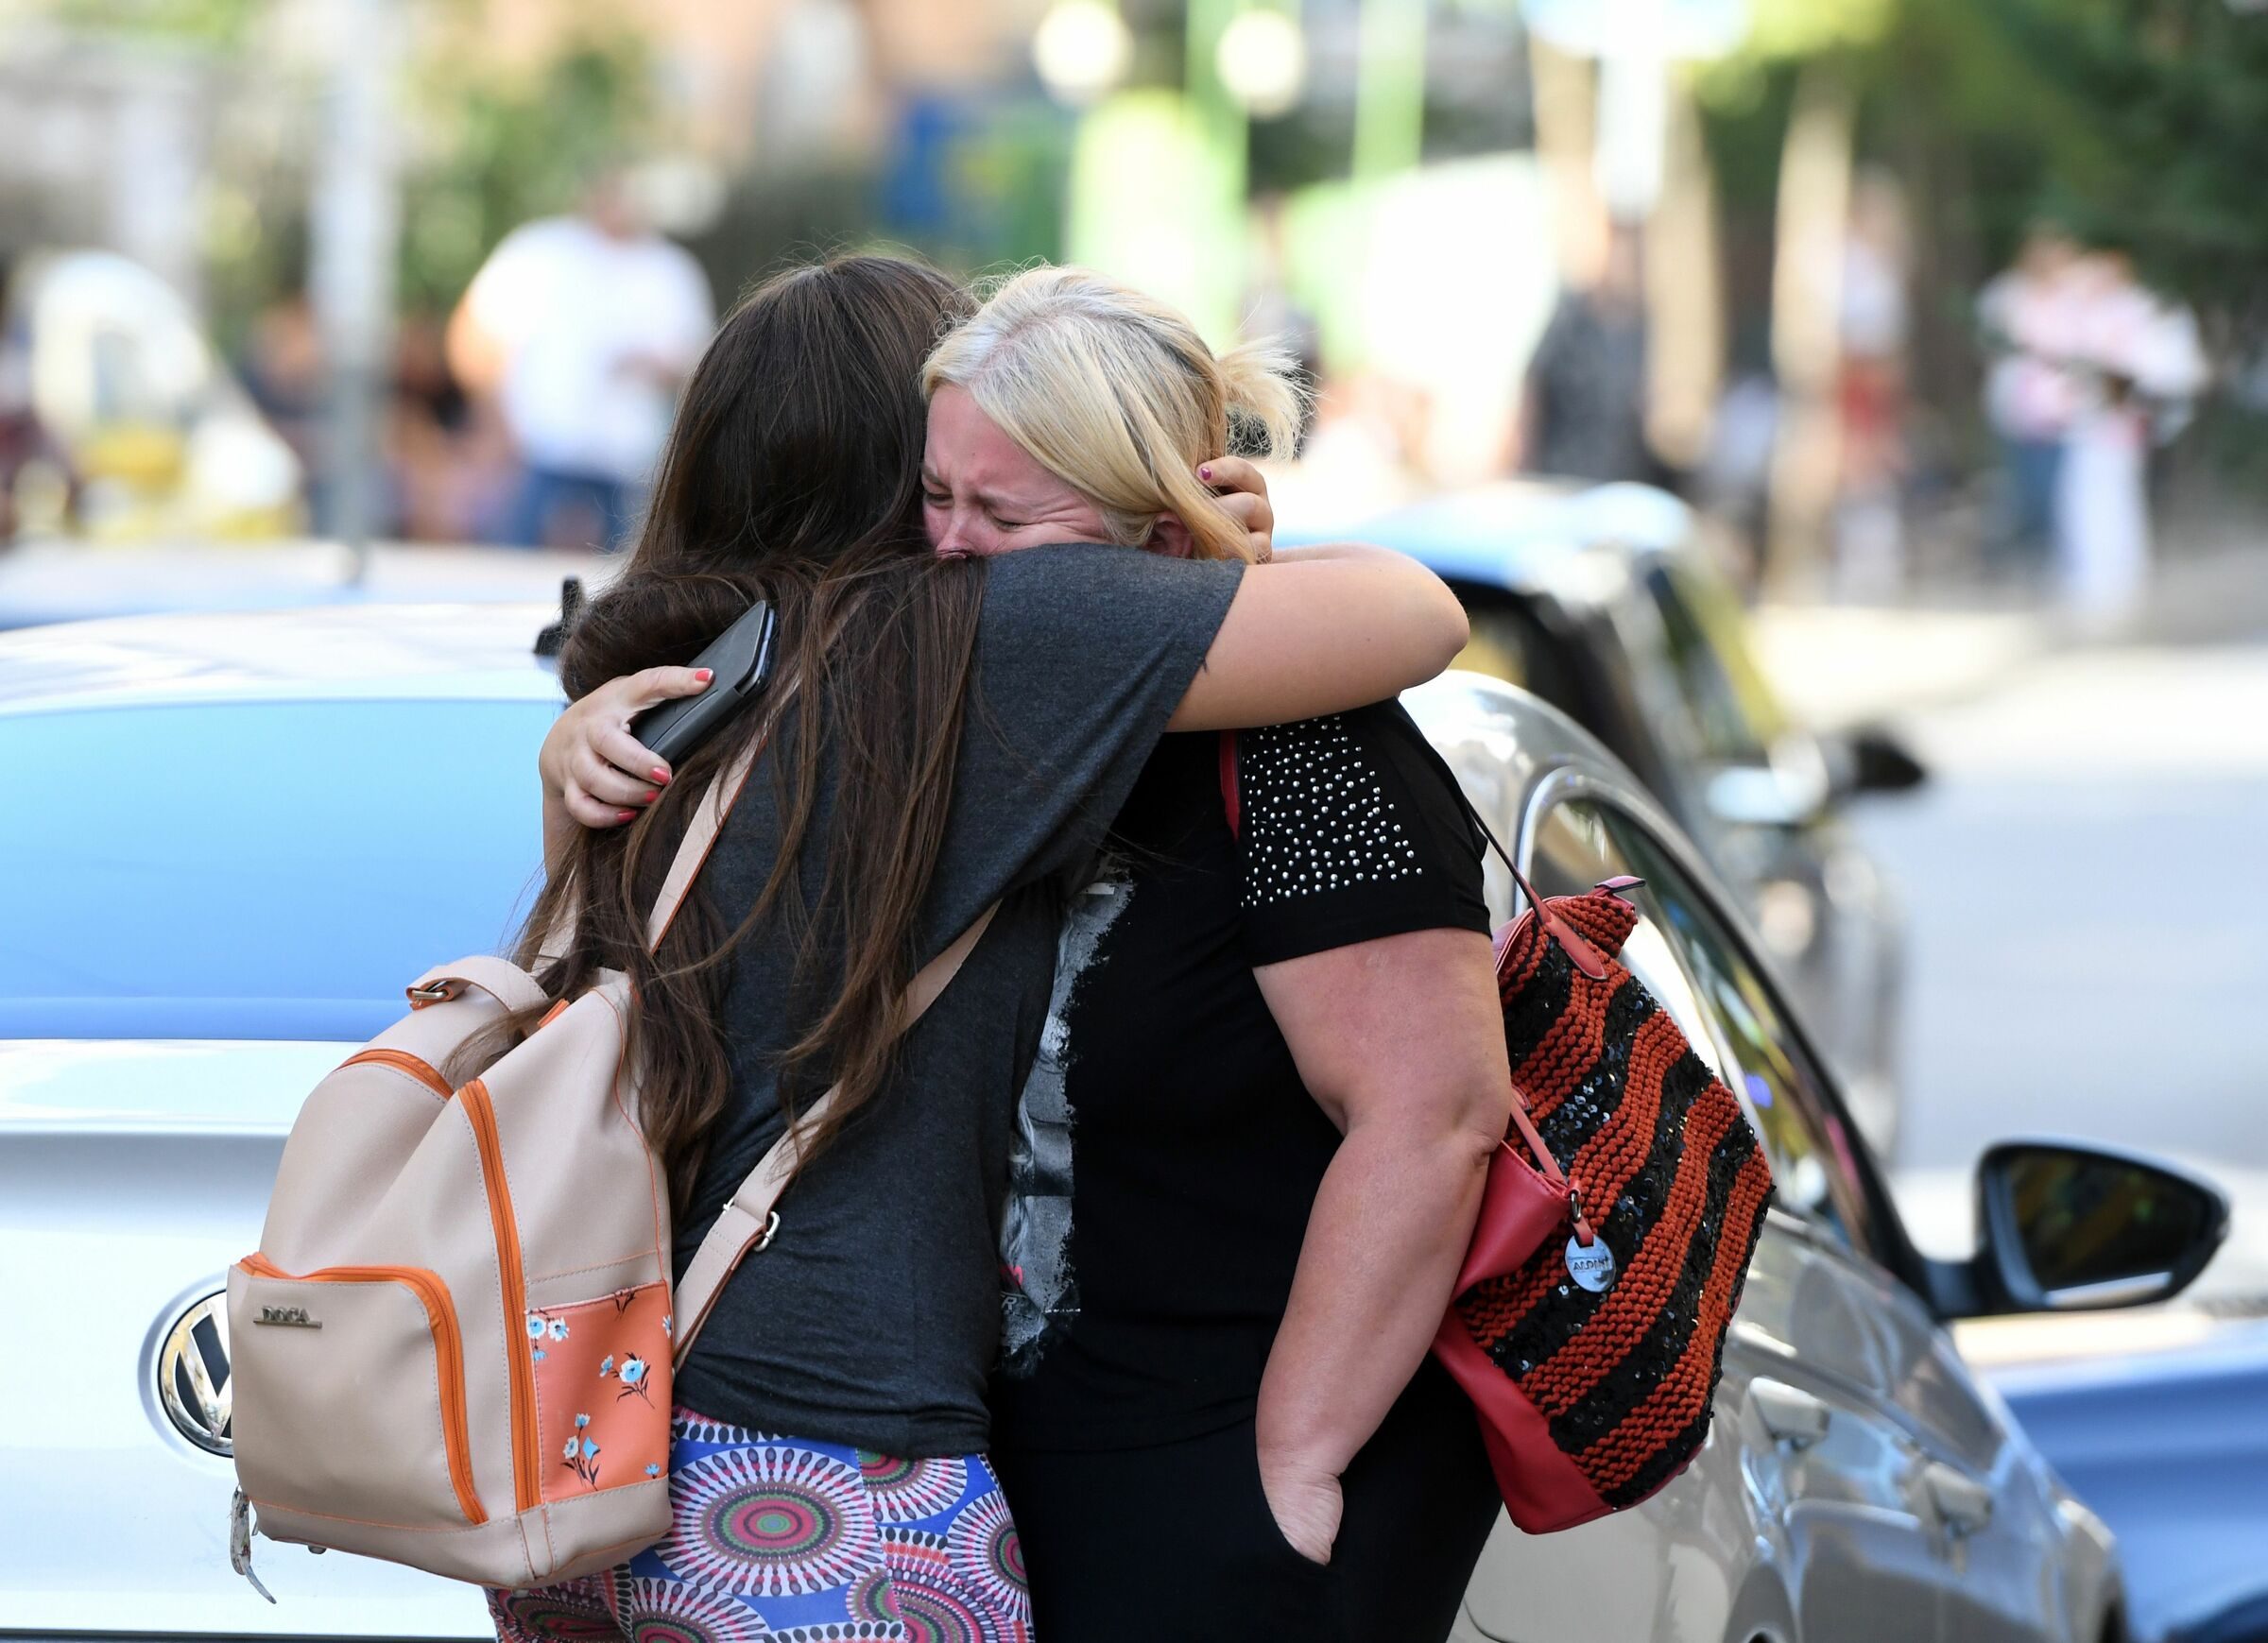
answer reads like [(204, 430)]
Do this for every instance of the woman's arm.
[(1401, 1041), (1310, 631), (1322, 631)]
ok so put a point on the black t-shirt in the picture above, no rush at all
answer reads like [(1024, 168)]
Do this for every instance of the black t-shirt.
[(1168, 1154), (873, 1317)]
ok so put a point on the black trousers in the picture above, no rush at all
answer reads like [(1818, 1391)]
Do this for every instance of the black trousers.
[(1130, 1545)]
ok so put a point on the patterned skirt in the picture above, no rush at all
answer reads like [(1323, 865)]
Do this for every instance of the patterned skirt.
[(782, 1540)]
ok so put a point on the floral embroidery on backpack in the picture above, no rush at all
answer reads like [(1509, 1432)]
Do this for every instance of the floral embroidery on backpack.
[(581, 1453)]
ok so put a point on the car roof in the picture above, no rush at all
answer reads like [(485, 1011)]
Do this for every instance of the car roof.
[(70, 581), (1528, 535), (413, 652)]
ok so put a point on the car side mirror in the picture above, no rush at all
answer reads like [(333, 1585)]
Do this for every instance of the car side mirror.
[(2068, 1229), (1793, 784), (1879, 761), (1763, 796)]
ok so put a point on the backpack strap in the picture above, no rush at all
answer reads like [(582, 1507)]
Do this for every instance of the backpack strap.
[(700, 838), (748, 1223), (501, 979)]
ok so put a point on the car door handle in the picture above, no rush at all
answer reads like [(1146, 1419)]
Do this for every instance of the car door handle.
[(1964, 1504), (1790, 1413)]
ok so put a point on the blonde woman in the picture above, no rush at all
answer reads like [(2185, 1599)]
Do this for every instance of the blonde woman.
[(960, 735), (1253, 1147)]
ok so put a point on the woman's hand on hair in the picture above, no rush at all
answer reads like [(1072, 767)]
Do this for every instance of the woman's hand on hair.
[(1243, 492), (592, 764)]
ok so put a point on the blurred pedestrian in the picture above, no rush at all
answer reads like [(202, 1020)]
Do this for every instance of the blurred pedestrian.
[(2138, 363), (1274, 312), (38, 490), (2025, 317), (583, 327), (1583, 410), (1871, 324)]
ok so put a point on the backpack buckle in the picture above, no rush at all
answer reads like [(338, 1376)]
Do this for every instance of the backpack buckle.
[(763, 1238), (432, 993)]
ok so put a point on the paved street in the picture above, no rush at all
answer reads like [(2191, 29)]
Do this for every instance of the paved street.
[(2087, 878)]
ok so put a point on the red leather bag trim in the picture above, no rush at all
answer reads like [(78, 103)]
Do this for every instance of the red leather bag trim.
[(1520, 1210), (1541, 1487), (1232, 798)]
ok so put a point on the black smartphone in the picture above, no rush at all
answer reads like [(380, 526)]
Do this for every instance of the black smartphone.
[(741, 657)]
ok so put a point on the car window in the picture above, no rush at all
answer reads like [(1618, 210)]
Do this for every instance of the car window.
[(1509, 642), (258, 870), (1700, 973), (1734, 711)]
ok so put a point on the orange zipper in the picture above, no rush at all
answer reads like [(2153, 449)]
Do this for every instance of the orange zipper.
[(527, 1466), (440, 1317), (403, 1061)]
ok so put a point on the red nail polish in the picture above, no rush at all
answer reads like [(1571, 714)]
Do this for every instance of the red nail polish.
[(660, 775), (703, 675), (1204, 473), (625, 815), (652, 793)]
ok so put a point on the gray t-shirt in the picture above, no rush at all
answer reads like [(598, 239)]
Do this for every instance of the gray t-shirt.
[(873, 1318)]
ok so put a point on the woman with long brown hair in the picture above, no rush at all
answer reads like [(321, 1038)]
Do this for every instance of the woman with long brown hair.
[(942, 735)]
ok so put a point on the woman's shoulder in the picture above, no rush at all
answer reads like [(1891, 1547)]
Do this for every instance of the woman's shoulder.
[(1090, 618), (1364, 782), (1069, 574), (1336, 749)]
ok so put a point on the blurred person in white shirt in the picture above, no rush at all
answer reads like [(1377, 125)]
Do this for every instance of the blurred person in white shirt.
[(583, 328), (2031, 391), (2139, 364)]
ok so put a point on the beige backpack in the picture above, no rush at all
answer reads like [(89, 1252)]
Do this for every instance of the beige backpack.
[(454, 1346)]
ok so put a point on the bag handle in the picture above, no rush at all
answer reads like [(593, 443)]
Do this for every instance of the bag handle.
[(748, 1223)]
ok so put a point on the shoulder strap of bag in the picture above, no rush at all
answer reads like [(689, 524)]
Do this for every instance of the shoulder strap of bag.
[(693, 851), (700, 838), (1233, 792), (748, 1221)]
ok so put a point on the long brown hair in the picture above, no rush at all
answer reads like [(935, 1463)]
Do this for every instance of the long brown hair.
[(793, 475)]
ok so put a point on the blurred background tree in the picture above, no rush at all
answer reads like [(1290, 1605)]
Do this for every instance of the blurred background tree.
[(496, 143)]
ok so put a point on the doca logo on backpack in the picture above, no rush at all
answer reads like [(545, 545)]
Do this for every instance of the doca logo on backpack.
[(453, 1347)]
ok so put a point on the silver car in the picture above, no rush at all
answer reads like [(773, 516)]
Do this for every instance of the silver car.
[(243, 834), (1602, 601)]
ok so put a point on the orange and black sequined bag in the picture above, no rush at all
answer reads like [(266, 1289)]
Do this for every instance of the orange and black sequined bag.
[(1589, 1326)]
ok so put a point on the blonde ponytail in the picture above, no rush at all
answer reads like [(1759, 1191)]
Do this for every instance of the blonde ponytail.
[(1116, 394)]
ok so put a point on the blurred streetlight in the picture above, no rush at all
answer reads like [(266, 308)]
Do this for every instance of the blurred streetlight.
[(1634, 42), (1081, 49), (1262, 63)]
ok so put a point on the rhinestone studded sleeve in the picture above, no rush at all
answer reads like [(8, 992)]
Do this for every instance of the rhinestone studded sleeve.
[(1353, 831), (1319, 816)]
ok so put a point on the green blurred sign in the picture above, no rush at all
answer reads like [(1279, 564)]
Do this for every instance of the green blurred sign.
[(1157, 202)]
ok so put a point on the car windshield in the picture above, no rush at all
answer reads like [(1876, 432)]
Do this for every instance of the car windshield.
[(258, 870)]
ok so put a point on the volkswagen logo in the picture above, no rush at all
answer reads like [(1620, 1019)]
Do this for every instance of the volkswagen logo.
[(192, 1374)]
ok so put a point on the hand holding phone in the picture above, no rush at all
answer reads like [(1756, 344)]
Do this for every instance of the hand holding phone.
[(741, 659)]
